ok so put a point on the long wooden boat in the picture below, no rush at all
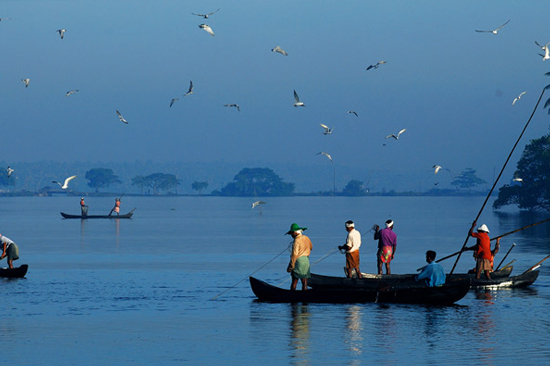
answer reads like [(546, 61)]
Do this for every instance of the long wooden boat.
[(499, 279), (16, 272), (83, 217), (444, 295)]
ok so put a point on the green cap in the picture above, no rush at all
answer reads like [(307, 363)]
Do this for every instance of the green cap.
[(295, 227)]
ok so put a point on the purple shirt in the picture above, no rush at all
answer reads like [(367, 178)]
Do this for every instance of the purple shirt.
[(386, 238)]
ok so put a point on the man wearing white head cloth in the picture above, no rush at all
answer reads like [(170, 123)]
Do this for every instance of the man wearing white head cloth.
[(353, 242), (9, 249), (387, 244)]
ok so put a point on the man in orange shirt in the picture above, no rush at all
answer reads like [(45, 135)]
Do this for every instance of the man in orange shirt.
[(482, 249), (298, 267)]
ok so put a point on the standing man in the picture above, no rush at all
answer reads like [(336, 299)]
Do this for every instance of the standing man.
[(353, 242), (298, 267), (482, 250), (433, 273), (9, 249), (116, 208), (83, 207), (387, 244)]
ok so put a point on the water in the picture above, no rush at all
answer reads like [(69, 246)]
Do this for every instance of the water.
[(139, 291)]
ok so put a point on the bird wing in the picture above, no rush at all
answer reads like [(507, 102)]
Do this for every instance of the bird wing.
[(538, 44), (515, 100), (508, 21), (370, 67), (296, 97), (68, 180), (353, 112), (483, 31), (190, 86), (324, 126), (400, 132), (54, 181), (392, 135), (213, 12)]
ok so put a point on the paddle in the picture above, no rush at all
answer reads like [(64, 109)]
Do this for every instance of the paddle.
[(523, 228), (537, 265), (509, 250), (112, 209), (498, 178)]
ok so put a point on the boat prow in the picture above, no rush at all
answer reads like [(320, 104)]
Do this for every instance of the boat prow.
[(17, 272)]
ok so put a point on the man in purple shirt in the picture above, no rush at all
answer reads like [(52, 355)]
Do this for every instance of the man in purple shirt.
[(387, 244)]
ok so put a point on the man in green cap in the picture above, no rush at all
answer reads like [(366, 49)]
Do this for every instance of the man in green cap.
[(299, 258)]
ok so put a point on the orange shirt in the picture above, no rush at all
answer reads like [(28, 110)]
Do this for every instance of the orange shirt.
[(483, 245)]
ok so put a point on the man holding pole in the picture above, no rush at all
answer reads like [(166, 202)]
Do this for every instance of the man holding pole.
[(353, 242), (298, 267), (387, 243), (482, 250)]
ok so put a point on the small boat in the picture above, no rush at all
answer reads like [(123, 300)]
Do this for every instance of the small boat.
[(522, 280), (83, 217), (16, 272), (420, 294)]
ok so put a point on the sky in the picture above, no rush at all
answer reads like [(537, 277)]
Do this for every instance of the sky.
[(450, 87)]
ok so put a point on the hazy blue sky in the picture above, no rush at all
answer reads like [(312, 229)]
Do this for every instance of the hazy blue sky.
[(450, 87)]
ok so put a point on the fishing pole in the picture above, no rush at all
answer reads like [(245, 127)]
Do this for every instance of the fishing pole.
[(498, 178), (509, 250), (523, 228), (537, 265), (271, 260)]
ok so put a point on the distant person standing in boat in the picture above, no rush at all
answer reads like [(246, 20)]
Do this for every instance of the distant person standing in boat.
[(83, 207), (298, 267), (387, 244), (116, 208), (433, 274), (482, 250), (9, 249), (353, 242)]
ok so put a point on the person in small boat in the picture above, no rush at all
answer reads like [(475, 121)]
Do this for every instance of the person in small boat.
[(116, 208), (298, 267), (433, 274), (83, 207), (387, 244), (9, 249), (353, 242), (482, 250)]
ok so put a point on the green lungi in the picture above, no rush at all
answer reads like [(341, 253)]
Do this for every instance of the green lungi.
[(12, 252), (301, 268)]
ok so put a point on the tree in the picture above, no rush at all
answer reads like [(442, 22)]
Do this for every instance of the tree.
[(533, 170), (354, 188), (157, 182), (467, 179), (101, 178), (257, 182), (199, 186)]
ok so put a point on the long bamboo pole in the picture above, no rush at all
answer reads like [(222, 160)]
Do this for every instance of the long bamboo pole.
[(498, 178)]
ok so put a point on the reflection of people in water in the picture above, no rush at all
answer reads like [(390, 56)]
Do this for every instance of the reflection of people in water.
[(355, 329), (299, 325)]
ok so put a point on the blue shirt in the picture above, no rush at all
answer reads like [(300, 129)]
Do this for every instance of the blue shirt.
[(433, 274)]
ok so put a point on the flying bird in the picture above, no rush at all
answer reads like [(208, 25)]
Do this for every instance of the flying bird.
[(71, 92), (325, 154), (396, 136), (377, 65), (541, 46), (207, 28), (518, 97), (297, 102), (495, 31), (437, 168), (121, 117), (61, 32), (4, 19), (174, 100), (233, 105), (9, 170), (65, 184), (257, 203), (517, 179), (279, 50), (546, 55), (26, 82), (190, 91), (353, 112), (327, 130), (205, 16)]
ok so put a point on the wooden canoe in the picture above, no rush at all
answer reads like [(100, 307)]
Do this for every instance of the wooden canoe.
[(16, 272), (125, 216), (444, 295)]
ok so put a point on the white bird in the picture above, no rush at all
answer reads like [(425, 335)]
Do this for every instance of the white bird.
[(297, 102), (121, 117), (396, 136), (174, 100), (377, 65), (518, 97), (9, 170), (190, 91), (541, 46), (517, 179), (437, 168), (4, 19), (279, 50), (71, 92), (495, 31), (326, 154), (233, 105), (207, 28), (205, 16), (546, 55), (26, 82), (353, 112), (65, 184), (327, 130), (257, 203), (61, 32)]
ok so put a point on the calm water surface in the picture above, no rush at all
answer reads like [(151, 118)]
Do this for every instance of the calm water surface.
[(140, 291)]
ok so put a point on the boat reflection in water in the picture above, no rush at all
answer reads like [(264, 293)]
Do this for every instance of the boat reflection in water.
[(299, 331), (354, 326)]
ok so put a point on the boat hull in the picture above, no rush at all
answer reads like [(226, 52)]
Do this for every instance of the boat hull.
[(444, 295), (17, 272), (125, 216)]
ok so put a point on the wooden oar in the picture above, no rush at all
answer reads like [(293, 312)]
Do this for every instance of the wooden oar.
[(523, 228), (499, 175), (509, 250), (536, 265)]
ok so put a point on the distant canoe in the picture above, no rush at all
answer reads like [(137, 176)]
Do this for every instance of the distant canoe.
[(17, 272), (114, 216)]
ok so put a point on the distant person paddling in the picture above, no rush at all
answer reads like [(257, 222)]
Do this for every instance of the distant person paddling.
[(116, 208), (9, 249), (83, 207)]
